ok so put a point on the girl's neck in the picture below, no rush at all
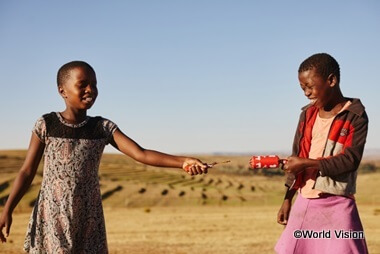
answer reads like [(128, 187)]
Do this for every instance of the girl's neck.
[(333, 107), (74, 116)]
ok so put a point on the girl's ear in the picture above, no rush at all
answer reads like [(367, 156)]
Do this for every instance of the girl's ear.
[(62, 91), (333, 81)]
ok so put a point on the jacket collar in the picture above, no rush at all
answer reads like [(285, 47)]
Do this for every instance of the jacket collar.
[(356, 106)]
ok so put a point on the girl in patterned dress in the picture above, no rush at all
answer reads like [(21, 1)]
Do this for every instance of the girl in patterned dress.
[(68, 214)]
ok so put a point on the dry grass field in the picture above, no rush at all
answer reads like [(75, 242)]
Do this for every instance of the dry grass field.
[(157, 210)]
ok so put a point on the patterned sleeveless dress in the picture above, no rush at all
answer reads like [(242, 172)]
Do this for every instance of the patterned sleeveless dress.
[(68, 214)]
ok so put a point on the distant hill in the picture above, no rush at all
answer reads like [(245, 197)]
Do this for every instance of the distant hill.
[(371, 154)]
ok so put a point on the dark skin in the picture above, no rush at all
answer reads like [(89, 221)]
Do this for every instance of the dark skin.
[(79, 93), (328, 98)]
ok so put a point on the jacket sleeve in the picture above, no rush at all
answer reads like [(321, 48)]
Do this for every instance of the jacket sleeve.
[(297, 137), (290, 178), (349, 159)]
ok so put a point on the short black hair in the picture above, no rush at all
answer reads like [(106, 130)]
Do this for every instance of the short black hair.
[(64, 71), (324, 65)]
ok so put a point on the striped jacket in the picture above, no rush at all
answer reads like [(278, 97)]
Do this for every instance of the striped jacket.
[(343, 150)]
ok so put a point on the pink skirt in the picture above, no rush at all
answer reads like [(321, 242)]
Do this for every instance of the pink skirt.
[(329, 224)]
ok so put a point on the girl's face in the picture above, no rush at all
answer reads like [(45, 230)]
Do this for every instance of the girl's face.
[(315, 88), (80, 91)]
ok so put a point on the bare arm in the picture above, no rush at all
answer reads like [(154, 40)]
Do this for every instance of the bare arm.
[(131, 148), (283, 213), (22, 182), (294, 165)]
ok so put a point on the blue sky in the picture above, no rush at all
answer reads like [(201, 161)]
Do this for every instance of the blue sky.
[(186, 76)]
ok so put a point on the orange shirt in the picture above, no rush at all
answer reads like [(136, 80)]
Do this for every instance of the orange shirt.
[(319, 134)]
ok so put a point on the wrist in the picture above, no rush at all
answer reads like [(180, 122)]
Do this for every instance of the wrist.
[(311, 163), (7, 210), (289, 195)]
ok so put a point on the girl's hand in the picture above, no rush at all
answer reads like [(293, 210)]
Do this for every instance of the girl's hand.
[(5, 221), (283, 213), (194, 166), (295, 165)]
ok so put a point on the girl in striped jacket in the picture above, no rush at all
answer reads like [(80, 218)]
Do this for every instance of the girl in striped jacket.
[(327, 151)]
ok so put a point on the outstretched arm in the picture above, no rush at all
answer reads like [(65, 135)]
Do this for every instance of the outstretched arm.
[(22, 183), (129, 147)]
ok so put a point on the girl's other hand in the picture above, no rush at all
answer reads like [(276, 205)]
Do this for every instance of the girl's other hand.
[(283, 213), (5, 222), (194, 166)]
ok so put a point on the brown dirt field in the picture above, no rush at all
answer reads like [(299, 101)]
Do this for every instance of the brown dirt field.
[(198, 230), (150, 210)]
